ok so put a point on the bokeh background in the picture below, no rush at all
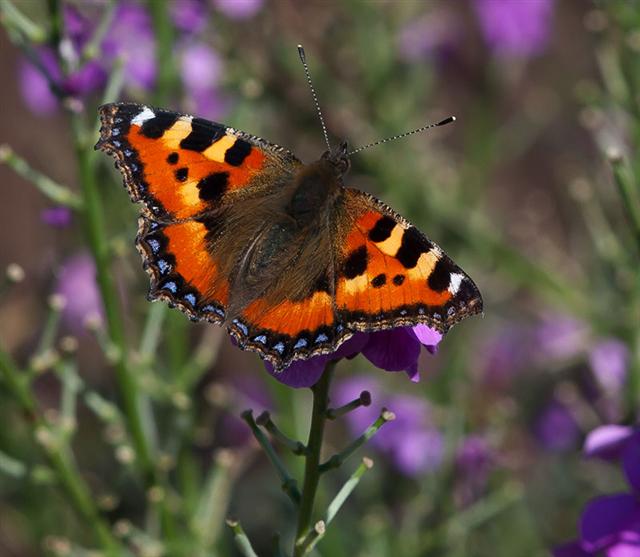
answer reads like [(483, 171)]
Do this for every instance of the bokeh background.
[(533, 191)]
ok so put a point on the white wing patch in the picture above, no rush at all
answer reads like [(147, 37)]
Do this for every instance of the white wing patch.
[(143, 116), (454, 284)]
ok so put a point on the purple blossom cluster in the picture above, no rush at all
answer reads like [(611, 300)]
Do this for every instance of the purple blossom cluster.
[(130, 39), (610, 524), (511, 29), (558, 339)]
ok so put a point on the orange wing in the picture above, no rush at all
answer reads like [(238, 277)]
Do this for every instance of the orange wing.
[(184, 171), (179, 166), (182, 270), (290, 330), (389, 274), (386, 274)]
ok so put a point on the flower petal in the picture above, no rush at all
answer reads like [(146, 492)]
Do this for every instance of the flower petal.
[(393, 350), (624, 549), (605, 518), (631, 462), (301, 373), (427, 336), (607, 441)]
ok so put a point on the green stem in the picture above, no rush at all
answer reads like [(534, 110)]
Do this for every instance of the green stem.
[(288, 483), (242, 542), (95, 231), (58, 193), (626, 189), (312, 458), (164, 50), (59, 456), (336, 460), (332, 510)]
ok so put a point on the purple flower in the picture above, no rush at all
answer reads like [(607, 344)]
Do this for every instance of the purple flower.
[(411, 441), (392, 350), (432, 35), (561, 337), (505, 355), (56, 217), (609, 360), (556, 428), (77, 27), (190, 16), (201, 69), (34, 86), (76, 283), (610, 524), (474, 460), (37, 91), (515, 28), (238, 9), (131, 37)]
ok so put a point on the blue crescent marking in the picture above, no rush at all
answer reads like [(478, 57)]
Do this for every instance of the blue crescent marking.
[(241, 326), (155, 245), (301, 343), (170, 286)]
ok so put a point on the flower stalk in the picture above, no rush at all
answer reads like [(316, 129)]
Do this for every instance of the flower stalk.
[(289, 484), (296, 447), (336, 460), (312, 458)]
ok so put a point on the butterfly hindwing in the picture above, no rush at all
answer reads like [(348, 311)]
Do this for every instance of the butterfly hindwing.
[(182, 270), (389, 274), (179, 166)]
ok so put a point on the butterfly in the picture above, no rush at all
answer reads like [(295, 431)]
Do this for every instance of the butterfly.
[(237, 231)]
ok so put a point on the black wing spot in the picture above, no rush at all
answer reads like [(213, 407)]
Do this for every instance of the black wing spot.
[(382, 229), (182, 174), (154, 128), (413, 245), (322, 284), (172, 158), (203, 135), (440, 277), (356, 263), (213, 187), (379, 281), (398, 280), (236, 154)]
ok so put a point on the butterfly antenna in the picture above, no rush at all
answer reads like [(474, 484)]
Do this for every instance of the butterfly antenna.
[(303, 59), (392, 138)]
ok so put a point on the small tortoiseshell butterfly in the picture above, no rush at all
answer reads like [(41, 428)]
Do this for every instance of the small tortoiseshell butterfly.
[(239, 232)]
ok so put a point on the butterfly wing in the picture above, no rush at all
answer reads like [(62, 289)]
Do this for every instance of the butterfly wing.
[(188, 174), (389, 274), (179, 166), (381, 273)]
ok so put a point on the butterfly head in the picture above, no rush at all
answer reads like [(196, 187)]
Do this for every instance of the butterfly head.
[(339, 158)]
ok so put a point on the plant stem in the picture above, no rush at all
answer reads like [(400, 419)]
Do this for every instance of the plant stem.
[(60, 457), (312, 458), (95, 230)]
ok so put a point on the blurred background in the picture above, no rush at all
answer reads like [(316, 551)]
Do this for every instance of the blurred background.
[(533, 191)]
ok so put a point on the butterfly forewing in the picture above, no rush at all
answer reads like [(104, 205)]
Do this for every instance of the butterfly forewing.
[(389, 274)]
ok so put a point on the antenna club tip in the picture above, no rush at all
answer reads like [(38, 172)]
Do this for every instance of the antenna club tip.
[(301, 52), (446, 121)]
